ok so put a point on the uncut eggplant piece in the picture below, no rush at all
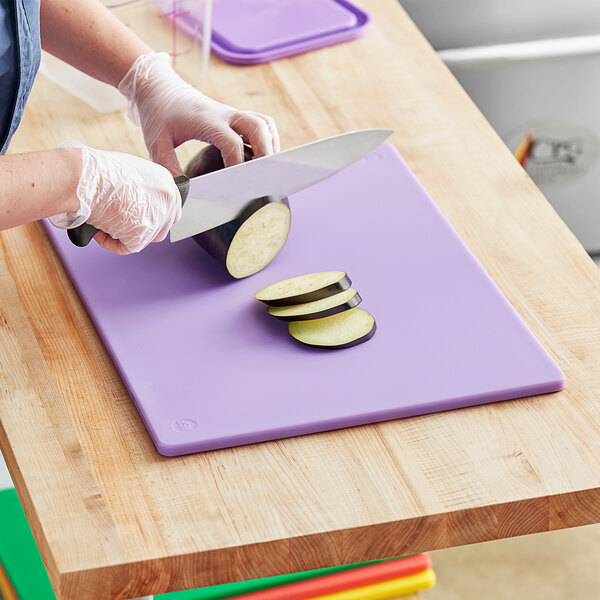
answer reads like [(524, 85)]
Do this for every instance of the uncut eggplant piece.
[(305, 288), (344, 330), (318, 309), (250, 242)]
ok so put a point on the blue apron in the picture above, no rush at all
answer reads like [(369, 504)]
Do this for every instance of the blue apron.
[(20, 51)]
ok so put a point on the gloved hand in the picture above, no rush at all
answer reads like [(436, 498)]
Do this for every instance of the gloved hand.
[(131, 200), (170, 112)]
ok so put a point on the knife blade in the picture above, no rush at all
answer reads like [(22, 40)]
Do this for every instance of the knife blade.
[(220, 196)]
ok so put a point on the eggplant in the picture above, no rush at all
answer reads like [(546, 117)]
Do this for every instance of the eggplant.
[(305, 288), (247, 244), (319, 308), (344, 330)]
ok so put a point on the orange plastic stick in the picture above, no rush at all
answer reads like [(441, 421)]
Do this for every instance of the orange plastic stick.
[(523, 150), (346, 580), (7, 591)]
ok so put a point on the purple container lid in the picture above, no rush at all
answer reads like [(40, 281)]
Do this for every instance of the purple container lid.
[(256, 31)]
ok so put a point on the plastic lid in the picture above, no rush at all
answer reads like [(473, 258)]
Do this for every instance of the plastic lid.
[(254, 26)]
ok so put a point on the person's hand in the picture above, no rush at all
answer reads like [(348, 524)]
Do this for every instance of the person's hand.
[(131, 200), (170, 112)]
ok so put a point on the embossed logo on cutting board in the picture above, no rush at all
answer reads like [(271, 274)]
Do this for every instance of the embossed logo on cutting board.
[(184, 425)]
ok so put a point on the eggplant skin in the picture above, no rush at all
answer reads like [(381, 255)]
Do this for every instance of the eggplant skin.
[(335, 288), (218, 241), (351, 303), (209, 159)]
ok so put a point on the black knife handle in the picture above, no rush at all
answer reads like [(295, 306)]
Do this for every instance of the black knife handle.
[(82, 235)]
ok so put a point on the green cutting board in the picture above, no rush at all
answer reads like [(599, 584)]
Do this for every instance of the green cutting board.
[(20, 557)]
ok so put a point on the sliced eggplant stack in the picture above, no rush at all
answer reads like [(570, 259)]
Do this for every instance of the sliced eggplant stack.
[(344, 330), (250, 242), (305, 288), (321, 309), (318, 309)]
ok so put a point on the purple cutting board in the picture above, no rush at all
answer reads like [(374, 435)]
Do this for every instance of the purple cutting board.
[(208, 368), (249, 32)]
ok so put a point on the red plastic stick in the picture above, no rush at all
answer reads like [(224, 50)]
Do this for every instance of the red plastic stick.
[(346, 580)]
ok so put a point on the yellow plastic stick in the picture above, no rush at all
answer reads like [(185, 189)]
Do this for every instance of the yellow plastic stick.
[(386, 590)]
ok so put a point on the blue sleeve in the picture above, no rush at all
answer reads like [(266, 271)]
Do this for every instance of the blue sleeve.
[(8, 67)]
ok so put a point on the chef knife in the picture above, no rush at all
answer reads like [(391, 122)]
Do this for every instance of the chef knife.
[(220, 196)]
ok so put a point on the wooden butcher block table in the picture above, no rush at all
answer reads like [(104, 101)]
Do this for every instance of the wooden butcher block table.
[(114, 519)]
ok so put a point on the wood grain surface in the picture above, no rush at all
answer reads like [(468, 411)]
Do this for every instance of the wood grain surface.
[(114, 519)]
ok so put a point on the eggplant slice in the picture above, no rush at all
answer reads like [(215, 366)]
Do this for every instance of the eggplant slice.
[(305, 288), (250, 242), (318, 309), (344, 330)]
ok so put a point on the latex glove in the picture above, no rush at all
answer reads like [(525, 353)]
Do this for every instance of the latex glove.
[(170, 112), (131, 200)]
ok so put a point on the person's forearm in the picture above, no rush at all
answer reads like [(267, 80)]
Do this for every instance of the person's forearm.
[(88, 36), (38, 185)]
